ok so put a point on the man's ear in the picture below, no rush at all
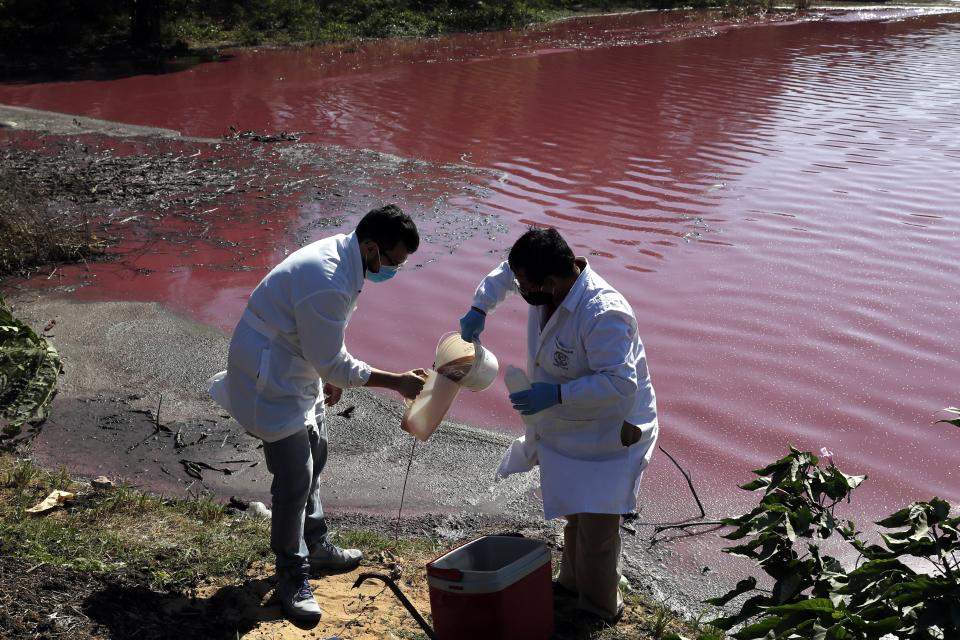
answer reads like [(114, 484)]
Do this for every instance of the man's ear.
[(367, 247)]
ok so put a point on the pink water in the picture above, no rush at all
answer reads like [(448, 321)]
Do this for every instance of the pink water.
[(778, 203)]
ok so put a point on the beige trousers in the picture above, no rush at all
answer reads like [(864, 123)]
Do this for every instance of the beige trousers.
[(591, 562)]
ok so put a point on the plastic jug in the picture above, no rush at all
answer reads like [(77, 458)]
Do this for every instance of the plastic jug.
[(457, 364), (516, 380), (426, 412)]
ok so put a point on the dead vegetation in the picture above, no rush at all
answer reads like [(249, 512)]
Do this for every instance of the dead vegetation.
[(65, 199), (37, 230)]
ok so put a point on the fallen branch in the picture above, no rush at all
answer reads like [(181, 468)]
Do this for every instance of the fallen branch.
[(689, 481), (199, 464), (683, 525)]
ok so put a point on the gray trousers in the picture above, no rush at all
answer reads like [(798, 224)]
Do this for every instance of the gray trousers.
[(298, 524)]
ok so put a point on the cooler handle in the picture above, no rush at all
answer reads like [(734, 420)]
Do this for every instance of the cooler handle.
[(452, 575)]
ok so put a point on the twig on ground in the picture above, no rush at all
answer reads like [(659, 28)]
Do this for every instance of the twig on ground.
[(403, 492), (683, 525), (686, 475)]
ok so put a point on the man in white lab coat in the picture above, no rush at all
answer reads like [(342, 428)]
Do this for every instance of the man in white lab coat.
[(592, 407), (287, 347)]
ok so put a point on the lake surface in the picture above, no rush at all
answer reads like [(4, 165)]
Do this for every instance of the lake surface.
[(778, 203)]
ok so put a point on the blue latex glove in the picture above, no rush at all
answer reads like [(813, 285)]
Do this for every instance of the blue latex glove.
[(542, 395), (471, 325)]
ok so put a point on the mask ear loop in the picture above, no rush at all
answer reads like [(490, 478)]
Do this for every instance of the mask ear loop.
[(379, 260)]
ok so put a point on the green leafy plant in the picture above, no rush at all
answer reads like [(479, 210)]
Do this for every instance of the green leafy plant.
[(813, 595), (29, 369), (955, 411)]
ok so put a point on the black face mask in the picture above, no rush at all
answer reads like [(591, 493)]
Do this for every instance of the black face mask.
[(537, 298)]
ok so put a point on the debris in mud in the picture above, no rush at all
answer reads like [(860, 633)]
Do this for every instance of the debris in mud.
[(283, 136), (124, 177), (102, 483), (52, 501)]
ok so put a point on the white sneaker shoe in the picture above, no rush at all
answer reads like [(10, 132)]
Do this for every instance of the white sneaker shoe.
[(297, 601), (326, 556)]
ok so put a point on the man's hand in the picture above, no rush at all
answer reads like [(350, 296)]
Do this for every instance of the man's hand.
[(471, 325), (331, 394), (540, 396), (410, 384)]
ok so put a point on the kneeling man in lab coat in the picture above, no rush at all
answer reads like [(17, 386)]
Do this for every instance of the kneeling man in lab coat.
[(287, 347), (591, 412)]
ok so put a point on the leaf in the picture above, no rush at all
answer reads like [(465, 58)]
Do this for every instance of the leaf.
[(886, 625), (30, 372), (787, 587), (899, 519), (837, 632), (955, 411), (759, 629), (780, 465), (820, 605), (753, 485), (748, 584), (791, 534), (940, 510), (750, 608)]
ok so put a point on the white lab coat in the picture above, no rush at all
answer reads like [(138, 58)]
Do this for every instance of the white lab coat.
[(290, 340), (590, 347)]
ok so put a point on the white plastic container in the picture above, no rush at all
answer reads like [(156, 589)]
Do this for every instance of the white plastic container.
[(516, 380), (426, 412)]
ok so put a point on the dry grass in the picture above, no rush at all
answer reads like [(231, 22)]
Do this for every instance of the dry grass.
[(37, 231)]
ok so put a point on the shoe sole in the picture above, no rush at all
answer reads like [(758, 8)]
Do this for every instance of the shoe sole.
[(335, 567), (305, 619)]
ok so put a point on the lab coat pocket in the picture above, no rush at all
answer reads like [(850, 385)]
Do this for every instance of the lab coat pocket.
[(577, 438), (630, 434), (263, 371)]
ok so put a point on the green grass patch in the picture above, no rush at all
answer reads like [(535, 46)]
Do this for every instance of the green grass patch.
[(174, 543)]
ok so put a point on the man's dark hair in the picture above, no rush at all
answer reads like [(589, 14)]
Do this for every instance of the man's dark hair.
[(387, 226), (540, 253)]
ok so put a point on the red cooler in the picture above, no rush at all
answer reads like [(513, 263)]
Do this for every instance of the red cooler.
[(494, 588)]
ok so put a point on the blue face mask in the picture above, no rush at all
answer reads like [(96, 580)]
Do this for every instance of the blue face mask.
[(386, 272), (383, 275)]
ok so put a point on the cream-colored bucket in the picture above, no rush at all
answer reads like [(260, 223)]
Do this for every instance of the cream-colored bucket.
[(468, 363), (457, 364)]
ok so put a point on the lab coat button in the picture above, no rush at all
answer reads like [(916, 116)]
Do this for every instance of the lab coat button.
[(537, 437)]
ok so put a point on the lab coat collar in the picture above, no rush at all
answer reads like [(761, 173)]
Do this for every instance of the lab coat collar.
[(569, 304), (355, 260), (575, 294)]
